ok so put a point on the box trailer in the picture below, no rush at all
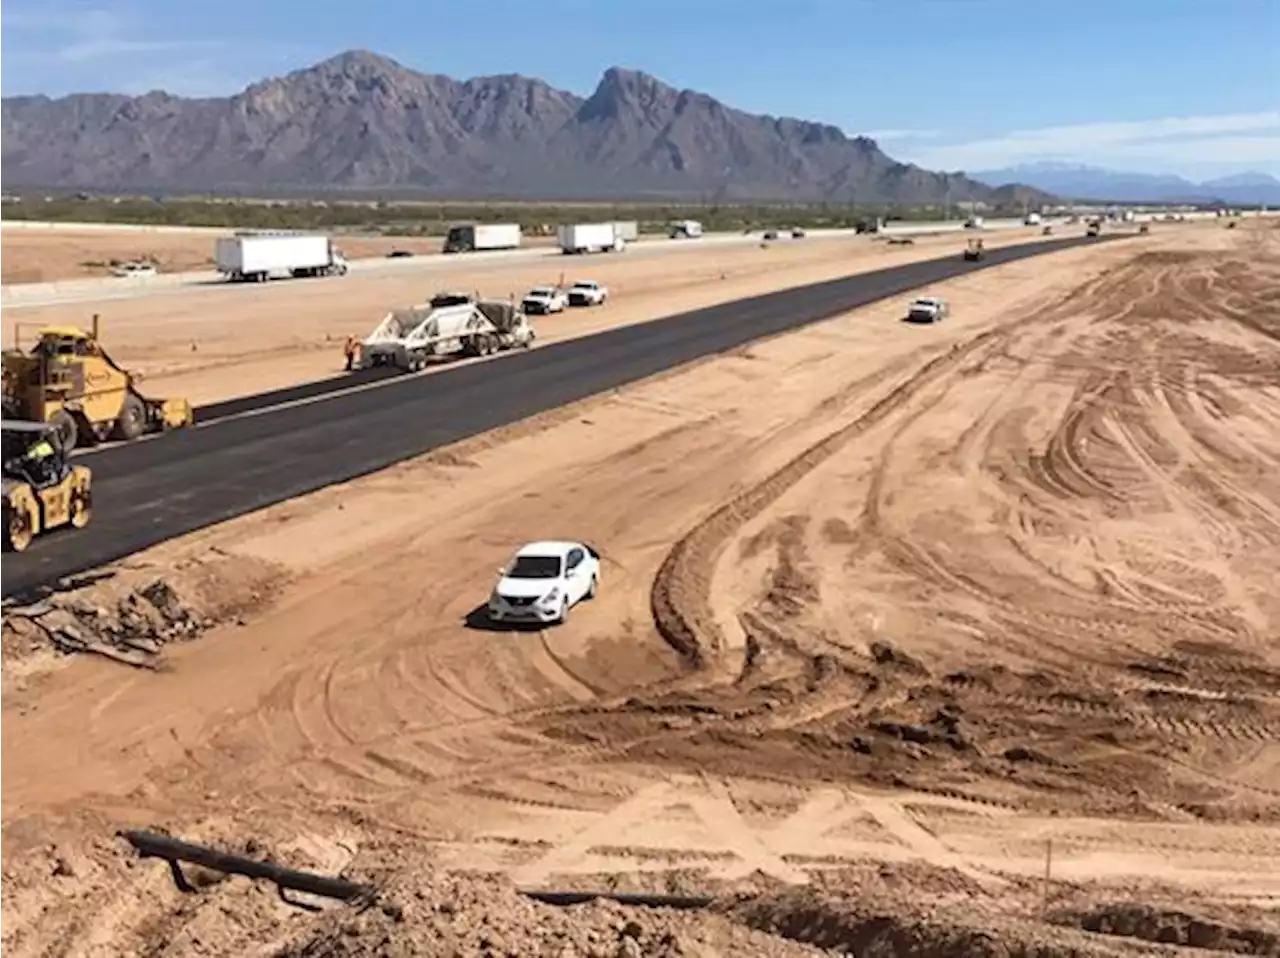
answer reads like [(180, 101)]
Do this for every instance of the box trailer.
[(627, 230), (685, 229), (474, 237), (590, 238), (256, 257)]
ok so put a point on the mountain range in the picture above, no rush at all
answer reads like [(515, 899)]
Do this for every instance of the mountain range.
[(1073, 181), (360, 121)]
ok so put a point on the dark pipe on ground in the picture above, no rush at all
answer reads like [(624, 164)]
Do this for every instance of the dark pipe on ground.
[(641, 899), (152, 845)]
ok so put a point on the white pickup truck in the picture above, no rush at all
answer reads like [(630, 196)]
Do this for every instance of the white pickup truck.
[(544, 299), (586, 292), (927, 309)]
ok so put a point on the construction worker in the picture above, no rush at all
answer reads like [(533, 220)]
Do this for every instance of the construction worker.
[(38, 461), (349, 350)]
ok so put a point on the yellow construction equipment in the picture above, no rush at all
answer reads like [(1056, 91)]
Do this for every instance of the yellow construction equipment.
[(69, 381), (42, 490)]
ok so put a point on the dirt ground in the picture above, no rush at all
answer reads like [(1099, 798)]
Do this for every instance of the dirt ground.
[(46, 256), (218, 344), (914, 616)]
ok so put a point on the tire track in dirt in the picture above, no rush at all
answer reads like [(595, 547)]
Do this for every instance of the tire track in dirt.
[(1087, 459), (678, 598)]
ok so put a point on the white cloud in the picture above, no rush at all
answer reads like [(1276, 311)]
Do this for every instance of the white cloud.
[(889, 136), (1237, 138), (76, 37)]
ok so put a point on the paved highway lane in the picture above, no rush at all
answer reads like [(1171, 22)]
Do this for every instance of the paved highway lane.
[(153, 490)]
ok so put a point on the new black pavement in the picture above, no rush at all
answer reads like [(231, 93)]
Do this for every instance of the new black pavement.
[(153, 490)]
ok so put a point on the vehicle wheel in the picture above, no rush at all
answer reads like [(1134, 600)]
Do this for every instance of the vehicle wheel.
[(564, 611), (17, 530), (593, 587), (81, 510), (67, 428), (132, 421)]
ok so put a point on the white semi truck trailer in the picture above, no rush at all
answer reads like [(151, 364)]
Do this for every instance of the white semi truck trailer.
[(590, 238), (256, 257), (475, 237)]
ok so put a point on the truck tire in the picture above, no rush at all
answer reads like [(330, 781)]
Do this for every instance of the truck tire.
[(67, 427), (132, 421)]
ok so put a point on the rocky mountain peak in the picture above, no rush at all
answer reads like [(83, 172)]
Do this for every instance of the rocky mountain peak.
[(360, 120)]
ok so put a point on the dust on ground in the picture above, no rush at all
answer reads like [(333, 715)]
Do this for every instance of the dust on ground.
[(1041, 572), (915, 617)]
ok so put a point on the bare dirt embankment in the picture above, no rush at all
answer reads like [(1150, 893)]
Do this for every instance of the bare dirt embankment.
[(959, 597), (222, 343)]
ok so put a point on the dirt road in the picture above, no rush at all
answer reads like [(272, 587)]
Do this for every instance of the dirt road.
[(220, 344), (877, 597)]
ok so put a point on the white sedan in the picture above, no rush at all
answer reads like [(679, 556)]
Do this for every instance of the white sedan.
[(543, 581), (545, 299), (927, 309), (587, 292), (134, 270)]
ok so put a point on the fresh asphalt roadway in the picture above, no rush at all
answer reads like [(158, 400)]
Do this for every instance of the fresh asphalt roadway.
[(250, 453)]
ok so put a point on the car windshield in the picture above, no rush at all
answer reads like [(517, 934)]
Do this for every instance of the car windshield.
[(584, 285), (540, 291), (534, 567)]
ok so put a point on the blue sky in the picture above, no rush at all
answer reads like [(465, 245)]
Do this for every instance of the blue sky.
[(1171, 86)]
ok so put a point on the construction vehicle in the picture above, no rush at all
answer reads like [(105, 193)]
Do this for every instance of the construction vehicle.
[(450, 323), (974, 251), (40, 493), (69, 381), (1094, 229)]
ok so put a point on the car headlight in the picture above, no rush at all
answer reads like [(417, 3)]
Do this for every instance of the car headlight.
[(552, 595)]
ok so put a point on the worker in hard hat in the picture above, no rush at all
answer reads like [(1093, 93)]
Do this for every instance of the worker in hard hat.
[(349, 350), (38, 461)]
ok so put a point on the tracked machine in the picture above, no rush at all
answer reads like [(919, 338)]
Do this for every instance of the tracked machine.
[(70, 382)]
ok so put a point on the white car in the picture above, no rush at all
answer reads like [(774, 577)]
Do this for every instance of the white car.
[(134, 270), (543, 581), (545, 299), (587, 292), (927, 309)]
